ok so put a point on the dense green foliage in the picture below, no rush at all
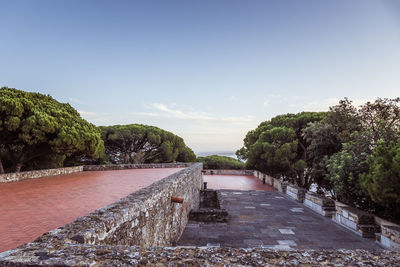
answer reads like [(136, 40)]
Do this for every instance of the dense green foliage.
[(346, 162), (220, 163), (36, 131), (382, 181), (352, 153), (136, 143), (278, 148), (343, 171)]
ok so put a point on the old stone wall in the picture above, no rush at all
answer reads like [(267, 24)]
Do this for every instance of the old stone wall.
[(229, 172), (135, 166), (145, 218), (95, 255), (13, 177)]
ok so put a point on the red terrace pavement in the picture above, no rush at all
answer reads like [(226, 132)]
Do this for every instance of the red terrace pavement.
[(239, 182), (32, 207)]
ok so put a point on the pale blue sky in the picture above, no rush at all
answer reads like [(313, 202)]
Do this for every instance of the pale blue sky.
[(208, 71)]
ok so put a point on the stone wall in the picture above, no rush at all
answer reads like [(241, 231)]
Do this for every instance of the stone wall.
[(321, 204), (13, 177), (389, 238), (145, 218), (358, 221), (94, 255), (134, 166), (229, 172), (295, 192)]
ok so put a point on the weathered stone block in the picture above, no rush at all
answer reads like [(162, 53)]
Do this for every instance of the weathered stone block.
[(279, 185), (296, 192), (359, 221), (392, 232), (355, 215), (269, 180), (387, 243), (321, 204)]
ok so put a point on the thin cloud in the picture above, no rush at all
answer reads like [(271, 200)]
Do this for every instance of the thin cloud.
[(180, 114), (76, 100), (190, 114)]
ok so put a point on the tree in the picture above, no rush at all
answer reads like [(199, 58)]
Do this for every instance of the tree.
[(371, 121), (345, 169), (326, 137), (220, 162), (277, 147), (137, 143), (382, 181), (324, 141), (34, 126), (380, 120)]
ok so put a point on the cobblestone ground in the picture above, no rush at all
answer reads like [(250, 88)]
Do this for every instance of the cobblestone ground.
[(271, 220), (30, 208)]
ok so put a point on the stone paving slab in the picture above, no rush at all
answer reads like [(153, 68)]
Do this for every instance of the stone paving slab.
[(274, 221)]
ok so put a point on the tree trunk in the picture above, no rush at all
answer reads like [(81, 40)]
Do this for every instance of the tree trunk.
[(20, 163), (1, 167), (126, 158)]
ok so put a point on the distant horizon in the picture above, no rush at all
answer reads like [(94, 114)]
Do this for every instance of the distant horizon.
[(207, 71)]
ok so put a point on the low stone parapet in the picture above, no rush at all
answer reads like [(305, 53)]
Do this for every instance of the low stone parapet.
[(279, 185), (268, 180), (231, 172), (389, 237), (14, 177), (321, 204), (115, 167), (359, 221), (296, 192)]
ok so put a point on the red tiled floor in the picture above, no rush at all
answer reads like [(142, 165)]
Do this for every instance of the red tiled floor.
[(32, 207), (238, 182)]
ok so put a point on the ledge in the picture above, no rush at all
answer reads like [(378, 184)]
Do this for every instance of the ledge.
[(389, 237), (14, 177), (321, 204), (229, 172), (279, 185), (358, 221), (295, 192)]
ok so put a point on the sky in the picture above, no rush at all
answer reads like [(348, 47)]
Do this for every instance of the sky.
[(208, 71)]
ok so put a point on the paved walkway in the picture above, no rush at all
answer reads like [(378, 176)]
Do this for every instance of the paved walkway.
[(32, 207), (240, 182), (271, 220)]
